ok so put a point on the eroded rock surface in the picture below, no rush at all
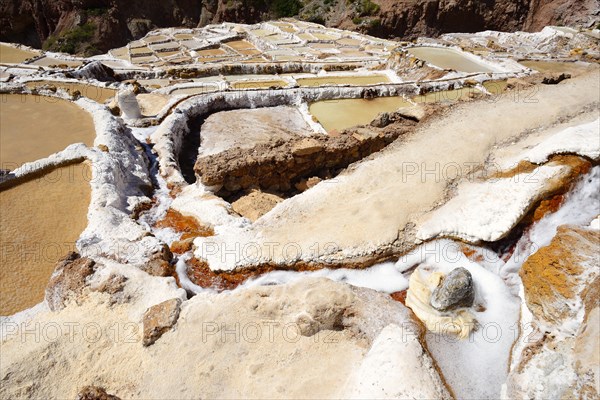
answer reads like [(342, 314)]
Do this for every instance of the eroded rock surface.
[(278, 165), (159, 318), (69, 280), (559, 275), (558, 356)]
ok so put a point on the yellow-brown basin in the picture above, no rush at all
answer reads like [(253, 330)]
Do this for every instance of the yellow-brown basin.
[(40, 220), (34, 127)]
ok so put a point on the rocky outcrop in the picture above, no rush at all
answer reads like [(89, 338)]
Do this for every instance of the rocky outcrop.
[(159, 318), (557, 353), (284, 341), (279, 165), (560, 274), (94, 26), (68, 281)]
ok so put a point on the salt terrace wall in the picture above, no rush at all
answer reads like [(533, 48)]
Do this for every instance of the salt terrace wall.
[(169, 137)]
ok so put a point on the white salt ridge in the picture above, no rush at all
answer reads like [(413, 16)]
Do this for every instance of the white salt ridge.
[(583, 139), (487, 210), (161, 194)]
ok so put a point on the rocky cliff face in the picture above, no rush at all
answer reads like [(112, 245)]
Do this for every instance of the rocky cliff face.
[(93, 26)]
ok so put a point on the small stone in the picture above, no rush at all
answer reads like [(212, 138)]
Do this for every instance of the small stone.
[(159, 318), (103, 148), (456, 290), (95, 393), (414, 113), (313, 181), (160, 263)]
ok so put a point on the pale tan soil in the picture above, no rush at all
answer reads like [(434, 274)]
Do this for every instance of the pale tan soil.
[(216, 349), (40, 221), (223, 130), (34, 127)]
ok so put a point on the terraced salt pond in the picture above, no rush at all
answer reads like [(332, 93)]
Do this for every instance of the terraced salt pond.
[(343, 80), (555, 66), (265, 84), (96, 93), (40, 221), (495, 87), (13, 55), (448, 59), (56, 62), (35, 127), (345, 113)]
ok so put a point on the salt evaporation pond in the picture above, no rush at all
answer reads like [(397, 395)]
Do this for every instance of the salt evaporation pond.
[(343, 80), (35, 127), (555, 66), (51, 62), (344, 113), (40, 221), (258, 84), (97, 93), (13, 55), (448, 59), (495, 87)]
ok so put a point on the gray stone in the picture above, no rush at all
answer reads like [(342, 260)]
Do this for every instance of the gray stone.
[(456, 290), (160, 318)]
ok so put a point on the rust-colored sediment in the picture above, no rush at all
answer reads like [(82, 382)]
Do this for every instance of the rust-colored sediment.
[(399, 296), (200, 274), (189, 226)]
